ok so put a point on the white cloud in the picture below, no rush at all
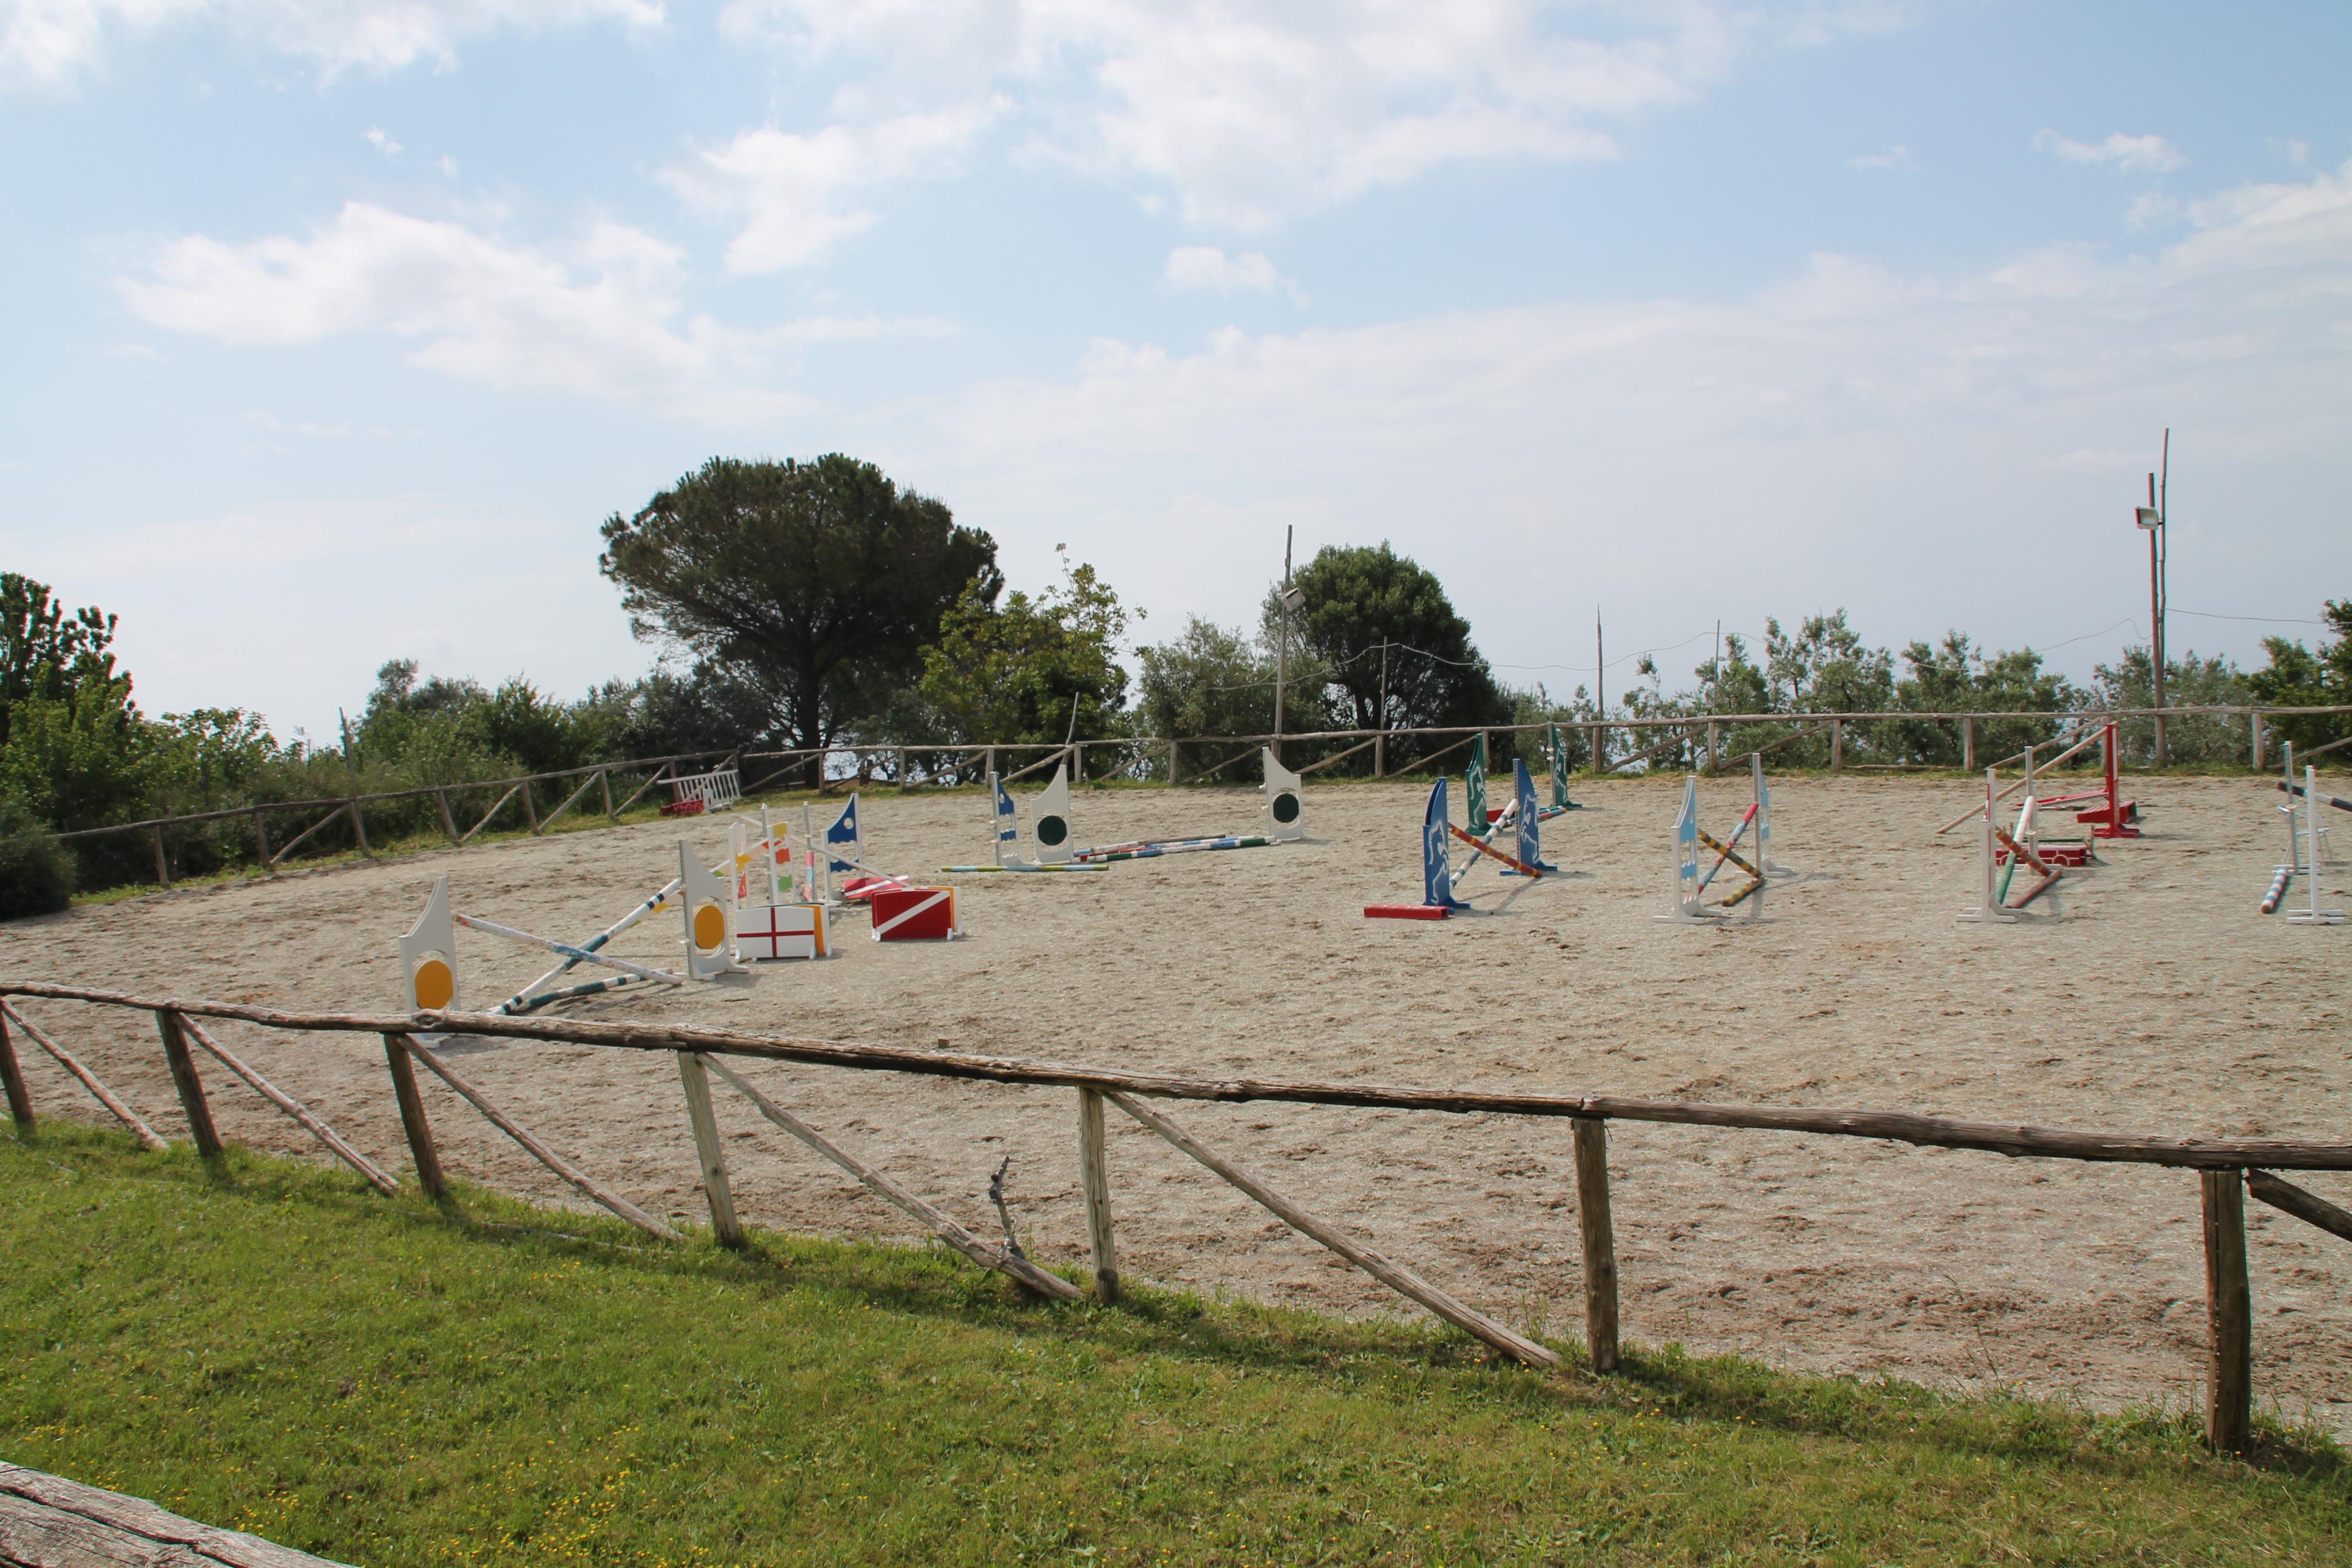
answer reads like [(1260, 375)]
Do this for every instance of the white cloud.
[(1850, 436), (1897, 158), (1253, 114), (2152, 209), (1205, 267), (800, 194), (381, 140), (2126, 154), (604, 317), (48, 42)]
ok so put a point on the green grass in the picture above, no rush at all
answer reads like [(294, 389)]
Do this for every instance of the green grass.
[(268, 1345)]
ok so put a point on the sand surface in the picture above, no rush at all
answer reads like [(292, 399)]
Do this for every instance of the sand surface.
[(2157, 1001)]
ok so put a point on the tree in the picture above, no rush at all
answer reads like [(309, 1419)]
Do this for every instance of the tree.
[(77, 761), (1824, 667), (1208, 680), (1954, 676), (37, 874), (45, 653), (2298, 677), (1358, 597), (1020, 674), (818, 583), (703, 708), (2190, 681)]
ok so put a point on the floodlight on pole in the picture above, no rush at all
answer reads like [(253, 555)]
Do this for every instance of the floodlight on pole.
[(2150, 518)]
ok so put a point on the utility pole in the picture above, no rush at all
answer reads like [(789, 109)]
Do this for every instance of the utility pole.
[(1600, 696), (2151, 517), (1287, 600)]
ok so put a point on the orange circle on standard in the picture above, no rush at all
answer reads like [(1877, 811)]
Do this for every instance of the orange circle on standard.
[(433, 982), (709, 928)]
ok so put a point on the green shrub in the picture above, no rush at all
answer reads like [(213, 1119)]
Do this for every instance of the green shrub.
[(36, 875)]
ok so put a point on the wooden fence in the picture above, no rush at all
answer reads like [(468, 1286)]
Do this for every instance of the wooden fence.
[(2226, 1168), (1140, 757)]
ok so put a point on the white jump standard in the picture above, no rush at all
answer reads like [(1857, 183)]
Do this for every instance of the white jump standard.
[(2295, 865), (1052, 849), (1690, 906), (1992, 907), (2314, 915), (1053, 823)]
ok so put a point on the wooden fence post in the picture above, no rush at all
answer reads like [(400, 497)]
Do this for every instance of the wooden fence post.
[(422, 1150), (1173, 780), (1599, 1241), (448, 823), (1969, 743), (1599, 738), (604, 781), (1380, 755), (359, 829), (2254, 739), (20, 1103), (530, 811), (2228, 1313), (261, 841), (1710, 745), (190, 1086), (1094, 1176), (1837, 744), (708, 1151), (163, 871)]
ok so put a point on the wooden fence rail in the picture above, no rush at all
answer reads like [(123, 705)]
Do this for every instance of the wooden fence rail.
[(2226, 1167), (1681, 730)]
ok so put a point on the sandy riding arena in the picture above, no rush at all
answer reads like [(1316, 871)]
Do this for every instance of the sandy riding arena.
[(2159, 1002)]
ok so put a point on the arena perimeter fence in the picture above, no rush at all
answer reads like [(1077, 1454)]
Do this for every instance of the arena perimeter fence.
[(1702, 741), (2226, 1167)]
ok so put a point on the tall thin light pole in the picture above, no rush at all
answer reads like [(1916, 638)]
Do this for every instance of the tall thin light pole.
[(2163, 598), (1600, 696), (2151, 517), (1282, 652)]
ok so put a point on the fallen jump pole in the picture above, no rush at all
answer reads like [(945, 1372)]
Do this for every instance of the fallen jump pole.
[(1483, 847), (579, 954)]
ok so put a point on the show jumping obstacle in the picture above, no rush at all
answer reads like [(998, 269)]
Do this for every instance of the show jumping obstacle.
[(428, 962), (742, 910), (1991, 907), (1556, 749), (1050, 828), (1050, 831), (1439, 879), (2314, 915), (2294, 865), (696, 793), (915, 914), (1690, 906), (2112, 818)]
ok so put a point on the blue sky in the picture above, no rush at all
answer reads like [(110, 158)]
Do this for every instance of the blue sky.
[(336, 328)]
